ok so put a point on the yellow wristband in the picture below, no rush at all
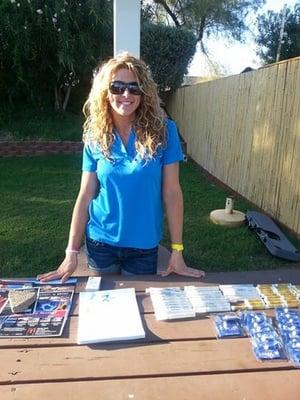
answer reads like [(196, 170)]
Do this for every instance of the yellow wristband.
[(177, 246)]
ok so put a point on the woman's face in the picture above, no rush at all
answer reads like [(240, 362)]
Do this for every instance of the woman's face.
[(124, 104)]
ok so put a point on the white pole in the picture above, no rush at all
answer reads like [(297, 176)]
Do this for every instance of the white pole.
[(127, 22), (281, 33)]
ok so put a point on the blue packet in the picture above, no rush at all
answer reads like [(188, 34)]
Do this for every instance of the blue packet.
[(293, 352), (254, 322), (228, 325), (288, 322), (266, 342), (269, 349)]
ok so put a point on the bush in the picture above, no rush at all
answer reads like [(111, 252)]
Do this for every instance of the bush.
[(48, 51), (168, 51)]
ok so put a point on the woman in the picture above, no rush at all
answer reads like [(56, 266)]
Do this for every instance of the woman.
[(130, 162)]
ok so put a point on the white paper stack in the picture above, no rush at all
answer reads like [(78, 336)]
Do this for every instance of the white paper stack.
[(109, 315), (236, 293), (170, 303), (207, 299)]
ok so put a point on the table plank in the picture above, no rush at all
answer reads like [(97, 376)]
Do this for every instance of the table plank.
[(275, 385), (130, 360), (156, 331), (142, 282)]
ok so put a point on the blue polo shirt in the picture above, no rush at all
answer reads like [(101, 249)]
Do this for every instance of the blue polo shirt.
[(128, 210)]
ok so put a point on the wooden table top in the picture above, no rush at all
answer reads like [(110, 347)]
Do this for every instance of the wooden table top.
[(177, 360)]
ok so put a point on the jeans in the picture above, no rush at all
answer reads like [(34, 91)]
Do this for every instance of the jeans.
[(107, 259)]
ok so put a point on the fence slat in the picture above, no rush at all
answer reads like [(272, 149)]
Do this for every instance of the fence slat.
[(245, 130)]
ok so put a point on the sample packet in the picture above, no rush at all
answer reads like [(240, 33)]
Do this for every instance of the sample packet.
[(207, 299), (240, 292), (288, 322), (170, 303), (267, 344), (228, 325)]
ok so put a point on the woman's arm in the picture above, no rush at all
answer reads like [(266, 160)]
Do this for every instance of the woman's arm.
[(173, 200), (88, 190)]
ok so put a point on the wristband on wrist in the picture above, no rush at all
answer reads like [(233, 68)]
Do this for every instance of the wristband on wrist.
[(177, 246), (72, 251)]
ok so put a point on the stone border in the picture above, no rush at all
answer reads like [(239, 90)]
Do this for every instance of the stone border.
[(10, 148), (37, 147)]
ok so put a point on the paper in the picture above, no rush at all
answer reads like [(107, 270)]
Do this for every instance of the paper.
[(45, 317), (109, 315)]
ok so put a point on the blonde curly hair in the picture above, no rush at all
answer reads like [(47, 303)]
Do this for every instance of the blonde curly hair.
[(150, 119)]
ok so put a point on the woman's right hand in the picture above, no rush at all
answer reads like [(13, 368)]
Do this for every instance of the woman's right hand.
[(63, 272)]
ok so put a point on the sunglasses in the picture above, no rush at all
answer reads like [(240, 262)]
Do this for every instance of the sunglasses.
[(119, 87)]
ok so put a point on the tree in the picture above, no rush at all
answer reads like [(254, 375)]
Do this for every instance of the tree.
[(204, 17), (269, 38), (47, 48)]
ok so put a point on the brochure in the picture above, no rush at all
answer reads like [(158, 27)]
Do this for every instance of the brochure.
[(46, 308), (109, 315)]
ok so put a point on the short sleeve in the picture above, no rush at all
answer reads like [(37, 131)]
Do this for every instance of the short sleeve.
[(89, 164), (172, 152)]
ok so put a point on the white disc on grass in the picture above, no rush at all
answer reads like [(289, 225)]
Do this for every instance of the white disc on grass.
[(221, 217)]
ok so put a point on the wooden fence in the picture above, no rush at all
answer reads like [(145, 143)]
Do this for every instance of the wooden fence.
[(245, 130)]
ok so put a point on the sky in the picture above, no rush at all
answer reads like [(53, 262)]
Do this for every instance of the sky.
[(233, 57)]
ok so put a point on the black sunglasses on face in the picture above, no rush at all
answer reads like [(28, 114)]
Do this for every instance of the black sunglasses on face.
[(119, 87)]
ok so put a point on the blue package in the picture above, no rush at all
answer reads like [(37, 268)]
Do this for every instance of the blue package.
[(268, 345), (266, 342), (293, 351), (228, 325), (268, 350), (288, 322)]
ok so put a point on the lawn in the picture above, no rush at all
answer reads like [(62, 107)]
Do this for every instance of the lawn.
[(38, 194), (45, 124)]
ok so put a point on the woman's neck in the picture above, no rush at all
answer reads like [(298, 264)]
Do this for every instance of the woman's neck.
[(123, 125)]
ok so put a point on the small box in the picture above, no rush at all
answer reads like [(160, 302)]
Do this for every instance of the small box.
[(93, 283)]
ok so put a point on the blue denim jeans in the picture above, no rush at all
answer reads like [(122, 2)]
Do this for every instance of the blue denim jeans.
[(107, 259)]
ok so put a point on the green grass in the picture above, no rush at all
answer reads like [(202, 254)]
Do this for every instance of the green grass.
[(37, 196), (214, 247), (44, 124)]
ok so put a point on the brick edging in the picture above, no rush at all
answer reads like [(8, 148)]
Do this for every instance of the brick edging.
[(37, 147)]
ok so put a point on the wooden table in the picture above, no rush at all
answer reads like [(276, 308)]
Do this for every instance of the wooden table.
[(176, 360)]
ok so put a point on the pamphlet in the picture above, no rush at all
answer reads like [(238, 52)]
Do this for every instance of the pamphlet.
[(46, 316), (109, 315)]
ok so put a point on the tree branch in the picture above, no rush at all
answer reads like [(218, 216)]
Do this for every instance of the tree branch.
[(182, 12), (200, 30), (211, 64), (169, 11)]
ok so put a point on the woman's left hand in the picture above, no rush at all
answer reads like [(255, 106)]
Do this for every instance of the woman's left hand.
[(178, 266)]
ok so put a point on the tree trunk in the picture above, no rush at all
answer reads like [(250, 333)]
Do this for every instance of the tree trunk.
[(67, 96), (57, 100)]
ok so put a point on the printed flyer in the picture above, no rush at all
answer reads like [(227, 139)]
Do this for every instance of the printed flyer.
[(31, 309)]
